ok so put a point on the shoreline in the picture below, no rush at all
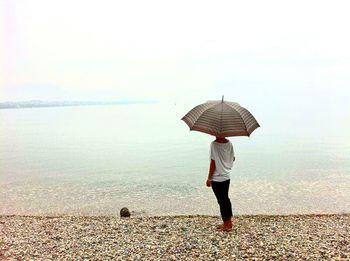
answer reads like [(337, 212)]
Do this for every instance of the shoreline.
[(140, 216), (191, 237)]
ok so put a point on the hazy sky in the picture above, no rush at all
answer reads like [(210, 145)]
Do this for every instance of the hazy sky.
[(276, 57)]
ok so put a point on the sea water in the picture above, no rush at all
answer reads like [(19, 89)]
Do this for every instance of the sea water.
[(94, 160)]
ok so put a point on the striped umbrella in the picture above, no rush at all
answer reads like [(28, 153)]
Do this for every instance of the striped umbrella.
[(221, 119)]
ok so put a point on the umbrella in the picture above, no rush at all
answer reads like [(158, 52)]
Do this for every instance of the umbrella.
[(221, 119)]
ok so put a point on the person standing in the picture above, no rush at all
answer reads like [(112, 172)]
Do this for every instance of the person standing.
[(221, 162)]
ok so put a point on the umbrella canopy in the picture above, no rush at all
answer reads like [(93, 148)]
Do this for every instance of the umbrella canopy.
[(221, 119)]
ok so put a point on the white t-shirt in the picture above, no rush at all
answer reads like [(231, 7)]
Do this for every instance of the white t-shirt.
[(224, 157)]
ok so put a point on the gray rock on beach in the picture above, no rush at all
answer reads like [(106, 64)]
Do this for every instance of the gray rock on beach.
[(124, 212)]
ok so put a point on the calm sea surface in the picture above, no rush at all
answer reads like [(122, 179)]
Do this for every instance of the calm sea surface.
[(95, 160)]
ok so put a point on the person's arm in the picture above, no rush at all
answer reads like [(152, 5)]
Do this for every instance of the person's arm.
[(211, 172)]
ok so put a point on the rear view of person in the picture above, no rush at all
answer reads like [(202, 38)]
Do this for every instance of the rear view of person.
[(221, 162)]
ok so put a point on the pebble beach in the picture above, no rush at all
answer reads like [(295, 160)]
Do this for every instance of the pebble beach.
[(259, 237)]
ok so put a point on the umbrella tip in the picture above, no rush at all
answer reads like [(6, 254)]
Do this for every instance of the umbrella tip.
[(222, 99)]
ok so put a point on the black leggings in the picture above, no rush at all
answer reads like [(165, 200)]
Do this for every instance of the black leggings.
[(221, 193)]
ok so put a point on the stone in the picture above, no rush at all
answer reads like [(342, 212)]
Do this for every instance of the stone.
[(124, 212)]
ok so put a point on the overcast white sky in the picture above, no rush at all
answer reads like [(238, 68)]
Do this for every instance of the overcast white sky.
[(276, 57)]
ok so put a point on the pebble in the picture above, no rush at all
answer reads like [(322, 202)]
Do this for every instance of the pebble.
[(295, 237)]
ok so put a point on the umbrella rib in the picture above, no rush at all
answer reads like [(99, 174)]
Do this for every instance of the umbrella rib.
[(222, 108), (243, 121)]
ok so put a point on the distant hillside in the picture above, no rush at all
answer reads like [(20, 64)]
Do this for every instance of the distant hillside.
[(39, 103)]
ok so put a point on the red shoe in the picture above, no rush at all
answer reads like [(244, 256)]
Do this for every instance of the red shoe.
[(227, 226)]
